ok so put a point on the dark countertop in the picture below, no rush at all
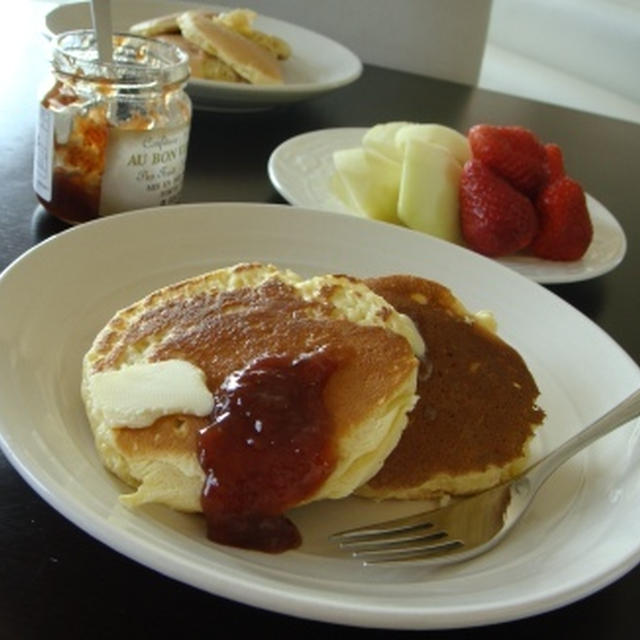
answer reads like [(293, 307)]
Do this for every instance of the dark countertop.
[(54, 578)]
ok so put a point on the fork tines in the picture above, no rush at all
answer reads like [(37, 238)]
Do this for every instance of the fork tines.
[(396, 541)]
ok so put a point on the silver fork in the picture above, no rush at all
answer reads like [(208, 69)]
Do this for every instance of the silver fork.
[(472, 525)]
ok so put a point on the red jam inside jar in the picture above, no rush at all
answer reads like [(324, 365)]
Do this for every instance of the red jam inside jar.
[(112, 136), (78, 162)]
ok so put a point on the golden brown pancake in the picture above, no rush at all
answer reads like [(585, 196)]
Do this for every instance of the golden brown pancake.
[(157, 26), (476, 410), (201, 64), (241, 21), (253, 62), (225, 319), (223, 47)]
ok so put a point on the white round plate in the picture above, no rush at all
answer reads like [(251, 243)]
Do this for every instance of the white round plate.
[(301, 168), (317, 64), (584, 526)]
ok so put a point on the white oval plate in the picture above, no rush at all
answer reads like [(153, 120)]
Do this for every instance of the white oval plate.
[(57, 296), (317, 65), (301, 167)]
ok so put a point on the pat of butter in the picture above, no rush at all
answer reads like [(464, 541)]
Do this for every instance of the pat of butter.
[(137, 395)]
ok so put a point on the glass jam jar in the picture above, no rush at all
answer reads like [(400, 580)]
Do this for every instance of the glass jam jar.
[(111, 136)]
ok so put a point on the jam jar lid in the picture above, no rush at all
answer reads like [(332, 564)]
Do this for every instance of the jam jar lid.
[(137, 61)]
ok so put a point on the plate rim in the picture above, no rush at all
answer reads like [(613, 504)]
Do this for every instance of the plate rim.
[(349, 613), (512, 262)]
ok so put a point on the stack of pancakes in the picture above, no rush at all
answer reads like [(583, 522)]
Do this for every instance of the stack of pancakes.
[(223, 320), (424, 399), (223, 47)]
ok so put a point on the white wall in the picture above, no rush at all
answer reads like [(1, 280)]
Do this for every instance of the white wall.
[(597, 41), (579, 53)]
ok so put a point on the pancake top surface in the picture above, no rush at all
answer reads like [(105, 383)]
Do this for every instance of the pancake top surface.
[(220, 330), (476, 404)]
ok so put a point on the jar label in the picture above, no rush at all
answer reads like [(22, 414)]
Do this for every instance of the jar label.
[(43, 156), (143, 169)]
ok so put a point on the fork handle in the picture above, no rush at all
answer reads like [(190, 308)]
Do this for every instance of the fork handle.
[(622, 413)]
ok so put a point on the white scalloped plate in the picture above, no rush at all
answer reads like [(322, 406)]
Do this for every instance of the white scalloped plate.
[(301, 167), (584, 525)]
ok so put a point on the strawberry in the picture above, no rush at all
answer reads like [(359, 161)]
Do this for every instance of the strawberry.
[(554, 163), (513, 152), (495, 218), (565, 226)]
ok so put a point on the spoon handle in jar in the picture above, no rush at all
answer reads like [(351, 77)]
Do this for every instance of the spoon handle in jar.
[(101, 17)]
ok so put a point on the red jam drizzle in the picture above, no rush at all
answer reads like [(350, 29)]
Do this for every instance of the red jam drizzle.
[(267, 448)]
